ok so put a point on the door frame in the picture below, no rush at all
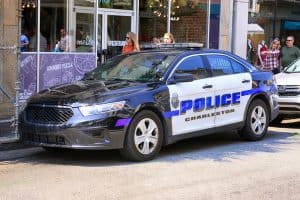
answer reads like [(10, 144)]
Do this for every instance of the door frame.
[(113, 12), (105, 12)]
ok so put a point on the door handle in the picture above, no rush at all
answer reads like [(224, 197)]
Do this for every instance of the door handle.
[(207, 86), (246, 81)]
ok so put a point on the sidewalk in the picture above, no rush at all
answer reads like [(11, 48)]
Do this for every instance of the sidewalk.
[(16, 151)]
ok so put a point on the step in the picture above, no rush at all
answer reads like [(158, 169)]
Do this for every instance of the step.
[(9, 139), (7, 120), (7, 130)]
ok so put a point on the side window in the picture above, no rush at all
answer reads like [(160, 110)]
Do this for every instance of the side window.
[(237, 67), (193, 65), (220, 65)]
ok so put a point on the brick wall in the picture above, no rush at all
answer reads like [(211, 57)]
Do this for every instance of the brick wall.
[(191, 28)]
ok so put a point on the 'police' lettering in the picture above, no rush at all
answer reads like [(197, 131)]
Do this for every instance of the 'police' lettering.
[(206, 103)]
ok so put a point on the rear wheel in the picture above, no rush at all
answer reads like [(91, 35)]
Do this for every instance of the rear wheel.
[(144, 137), (257, 120)]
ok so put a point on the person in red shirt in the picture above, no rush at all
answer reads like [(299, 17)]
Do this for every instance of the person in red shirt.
[(131, 43)]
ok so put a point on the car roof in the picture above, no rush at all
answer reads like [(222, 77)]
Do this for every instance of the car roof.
[(186, 49)]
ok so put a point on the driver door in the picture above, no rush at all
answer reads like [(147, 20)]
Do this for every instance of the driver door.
[(193, 110)]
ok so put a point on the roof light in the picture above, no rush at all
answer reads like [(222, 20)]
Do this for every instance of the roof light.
[(172, 45)]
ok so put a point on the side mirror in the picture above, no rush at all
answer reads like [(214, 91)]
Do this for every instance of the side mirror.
[(159, 73), (179, 78)]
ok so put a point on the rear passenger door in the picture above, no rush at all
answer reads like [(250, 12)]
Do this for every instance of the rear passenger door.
[(187, 99), (230, 80)]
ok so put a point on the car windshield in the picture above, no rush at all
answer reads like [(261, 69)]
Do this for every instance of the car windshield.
[(134, 67), (294, 67)]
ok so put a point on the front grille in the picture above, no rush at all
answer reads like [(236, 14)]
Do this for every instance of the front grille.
[(288, 90), (48, 114), (289, 94)]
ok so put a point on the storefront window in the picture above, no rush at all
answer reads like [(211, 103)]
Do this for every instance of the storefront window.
[(85, 41), (153, 19), (116, 4), (28, 26), (84, 3), (270, 19), (65, 29), (277, 18), (189, 20), (214, 24)]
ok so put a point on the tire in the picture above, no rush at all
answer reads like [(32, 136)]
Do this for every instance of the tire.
[(257, 121), (144, 137)]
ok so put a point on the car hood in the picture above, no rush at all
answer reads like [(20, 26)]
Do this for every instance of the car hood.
[(87, 92), (287, 78)]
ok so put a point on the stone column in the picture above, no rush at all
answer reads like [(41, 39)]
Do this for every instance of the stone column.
[(8, 38), (226, 14), (239, 27)]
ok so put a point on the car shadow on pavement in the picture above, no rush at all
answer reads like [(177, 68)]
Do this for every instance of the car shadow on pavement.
[(290, 123), (226, 146), (221, 147)]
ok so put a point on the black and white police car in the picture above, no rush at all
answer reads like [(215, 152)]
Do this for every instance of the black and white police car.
[(141, 101)]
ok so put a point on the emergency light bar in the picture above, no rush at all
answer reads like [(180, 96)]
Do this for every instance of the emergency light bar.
[(172, 45)]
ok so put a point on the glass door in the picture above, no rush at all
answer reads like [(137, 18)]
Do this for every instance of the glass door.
[(84, 31), (117, 27), (112, 29)]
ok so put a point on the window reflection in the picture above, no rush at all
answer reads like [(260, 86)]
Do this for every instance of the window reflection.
[(117, 4)]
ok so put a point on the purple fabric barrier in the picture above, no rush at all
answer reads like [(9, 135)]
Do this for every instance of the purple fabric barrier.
[(58, 68), (55, 69), (28, 65)]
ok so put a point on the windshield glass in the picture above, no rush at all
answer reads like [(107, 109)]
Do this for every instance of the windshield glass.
[(294, 68), (133, 67)]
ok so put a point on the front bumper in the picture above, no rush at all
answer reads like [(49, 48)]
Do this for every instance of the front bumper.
[(289, 105), (74, 138), (79, 132)]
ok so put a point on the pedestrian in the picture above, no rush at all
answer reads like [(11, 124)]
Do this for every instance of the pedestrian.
[(289, 52), (33, 42), (155, 40), (24, 41), (169, 38), (250, 51), (271, 62), (131, 43), (65, 41)]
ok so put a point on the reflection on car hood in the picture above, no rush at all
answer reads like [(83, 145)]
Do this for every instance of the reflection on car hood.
[(86, 92), (287, 78)]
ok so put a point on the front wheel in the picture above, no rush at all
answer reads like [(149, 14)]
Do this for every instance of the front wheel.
[(144, 137), (257, 121)]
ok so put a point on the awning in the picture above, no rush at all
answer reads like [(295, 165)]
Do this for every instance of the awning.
[(255, 28)]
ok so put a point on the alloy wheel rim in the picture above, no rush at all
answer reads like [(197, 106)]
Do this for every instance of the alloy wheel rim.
[(258, 120), (146, 136)]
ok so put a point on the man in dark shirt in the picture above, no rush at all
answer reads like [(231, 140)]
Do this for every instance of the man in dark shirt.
[(289, 52)]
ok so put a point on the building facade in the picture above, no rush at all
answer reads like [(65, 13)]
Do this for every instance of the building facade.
[(277, 18), (92, 31)]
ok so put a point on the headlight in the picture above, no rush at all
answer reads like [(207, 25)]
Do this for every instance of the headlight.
[(101, 108)]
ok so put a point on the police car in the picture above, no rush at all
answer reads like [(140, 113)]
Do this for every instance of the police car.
[(142, 101)]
